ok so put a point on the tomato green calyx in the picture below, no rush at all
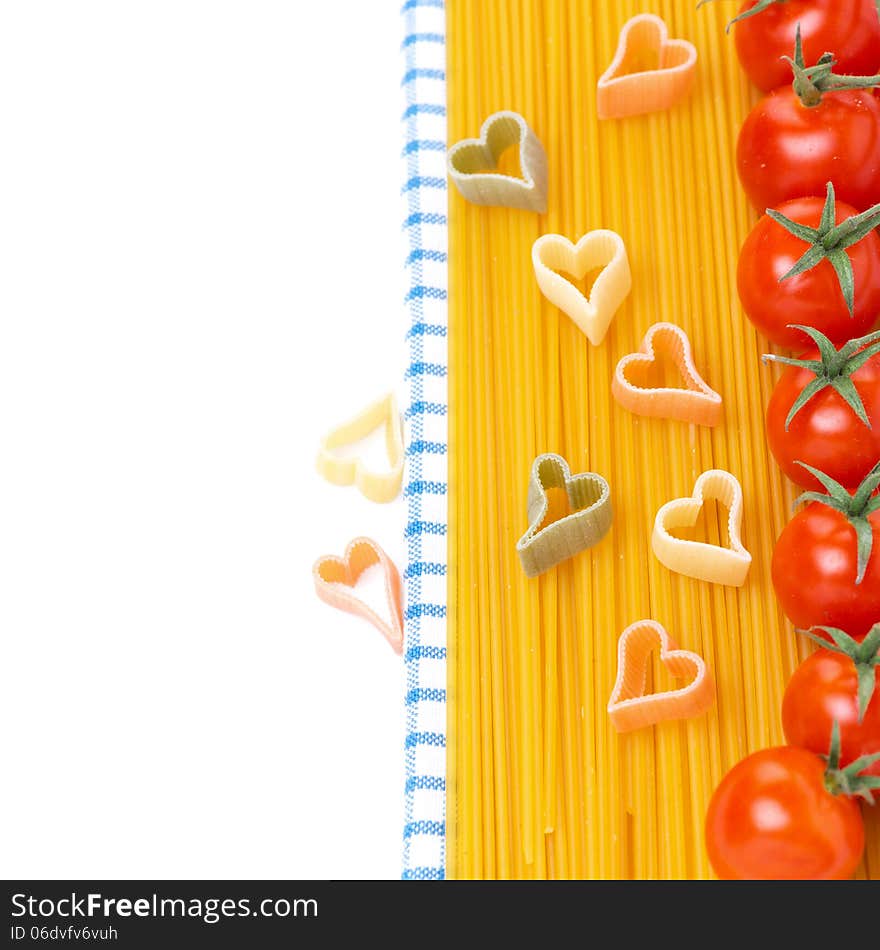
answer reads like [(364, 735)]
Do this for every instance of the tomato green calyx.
[(865, 657), (849, 781), (810, 82), (834, 368), (759, 7), (829, 242), (856, 508)]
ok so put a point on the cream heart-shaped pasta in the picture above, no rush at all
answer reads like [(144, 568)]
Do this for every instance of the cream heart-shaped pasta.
[(705, 562), (377, 486), (553, 253), (629, 707), (473, 165), (694, 401), (649, 71)]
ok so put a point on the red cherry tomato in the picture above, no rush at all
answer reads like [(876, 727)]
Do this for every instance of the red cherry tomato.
[(826, 432), (824, 688), (787, 150), (850, 29), (772, 818), (813, 298), (814, 569)]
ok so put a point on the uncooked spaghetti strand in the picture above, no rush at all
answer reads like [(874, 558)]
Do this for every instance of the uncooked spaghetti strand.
[(454, 586), (457, 406), (588, 215), (700, 766), (501, 550), (702, 732), (548, 342), (532, 31), (564, 342), (669, 804), (473, 761), (485, 409), (738, 369), (528, 613)]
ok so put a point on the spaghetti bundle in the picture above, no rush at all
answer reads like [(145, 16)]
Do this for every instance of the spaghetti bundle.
[(540, 785)]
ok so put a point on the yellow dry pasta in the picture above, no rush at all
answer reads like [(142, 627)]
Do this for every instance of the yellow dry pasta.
[(603, 249), (700, 559), (340, 470), (532, 663)]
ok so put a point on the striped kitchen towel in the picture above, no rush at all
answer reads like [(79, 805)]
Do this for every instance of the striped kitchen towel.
[(424, 193)]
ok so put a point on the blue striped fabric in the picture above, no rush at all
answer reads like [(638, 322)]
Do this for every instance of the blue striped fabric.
[(424, 195), (430, 782), (425, 653), (423, 874)]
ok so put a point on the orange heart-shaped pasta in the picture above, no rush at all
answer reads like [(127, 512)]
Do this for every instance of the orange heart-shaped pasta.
[(649, 71), (695, 401), (335, 577), (629, 708)]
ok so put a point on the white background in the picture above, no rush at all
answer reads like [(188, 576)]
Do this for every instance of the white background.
[(200, 273)]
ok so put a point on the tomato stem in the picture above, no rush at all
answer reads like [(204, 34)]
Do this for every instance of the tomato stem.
[(759, 7), (833, 368), (850, 781), (856, 508), (829, 242), (810, 82), (865, 657)]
